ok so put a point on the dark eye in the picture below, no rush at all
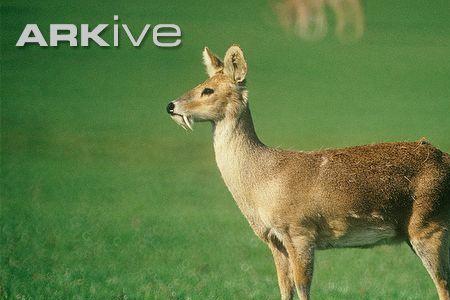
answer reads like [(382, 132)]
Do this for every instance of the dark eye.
[(207, 91)]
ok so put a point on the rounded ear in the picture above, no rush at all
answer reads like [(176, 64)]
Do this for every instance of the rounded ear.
[(212, 63), (235, 65)]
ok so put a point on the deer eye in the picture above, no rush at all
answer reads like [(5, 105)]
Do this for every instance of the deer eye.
[(207, 91)]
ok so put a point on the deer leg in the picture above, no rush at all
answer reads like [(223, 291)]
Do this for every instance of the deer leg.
[(430, 243), (284, 273), (301, 257)]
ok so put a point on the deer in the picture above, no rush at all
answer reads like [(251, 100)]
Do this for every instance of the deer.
[(298, 202), (309, 18)]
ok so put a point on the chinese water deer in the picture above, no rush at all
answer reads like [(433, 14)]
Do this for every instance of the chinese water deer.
[(299, 202)]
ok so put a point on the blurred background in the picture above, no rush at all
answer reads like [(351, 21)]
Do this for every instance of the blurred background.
[(104, 196)]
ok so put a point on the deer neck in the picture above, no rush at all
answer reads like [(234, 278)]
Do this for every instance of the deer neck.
[(241, 158)]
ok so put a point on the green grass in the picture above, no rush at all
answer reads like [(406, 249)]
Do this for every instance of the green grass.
[(103, 196)]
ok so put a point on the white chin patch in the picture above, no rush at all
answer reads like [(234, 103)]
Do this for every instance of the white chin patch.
[(184, 121)]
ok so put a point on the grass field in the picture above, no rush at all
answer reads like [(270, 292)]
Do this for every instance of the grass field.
[(103, 196)]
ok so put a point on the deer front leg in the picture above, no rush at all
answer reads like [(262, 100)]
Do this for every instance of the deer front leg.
[(284, 273), (301, 258)]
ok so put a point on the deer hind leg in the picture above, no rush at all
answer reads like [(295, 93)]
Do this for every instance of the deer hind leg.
[(301, 257), (284, 273), (431, 243)]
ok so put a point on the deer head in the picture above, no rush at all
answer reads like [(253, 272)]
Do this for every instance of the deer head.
[(222, 95)]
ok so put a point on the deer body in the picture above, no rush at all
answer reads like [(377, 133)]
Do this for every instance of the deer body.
[(343, 197), (298, 202)]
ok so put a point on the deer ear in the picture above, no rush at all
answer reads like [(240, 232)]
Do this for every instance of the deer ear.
[(235, 65), (212, 62)]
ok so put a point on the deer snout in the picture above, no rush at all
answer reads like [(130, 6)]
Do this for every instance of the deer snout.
[(170, 107)]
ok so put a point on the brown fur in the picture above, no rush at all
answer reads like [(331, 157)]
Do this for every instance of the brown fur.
[(298, 202)]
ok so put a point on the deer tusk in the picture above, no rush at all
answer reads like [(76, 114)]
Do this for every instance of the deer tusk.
[(187, 122)]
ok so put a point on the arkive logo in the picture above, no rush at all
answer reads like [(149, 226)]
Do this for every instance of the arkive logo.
[(163, 35)]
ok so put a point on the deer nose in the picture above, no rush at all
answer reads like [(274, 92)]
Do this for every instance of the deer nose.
[(170, 107)]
